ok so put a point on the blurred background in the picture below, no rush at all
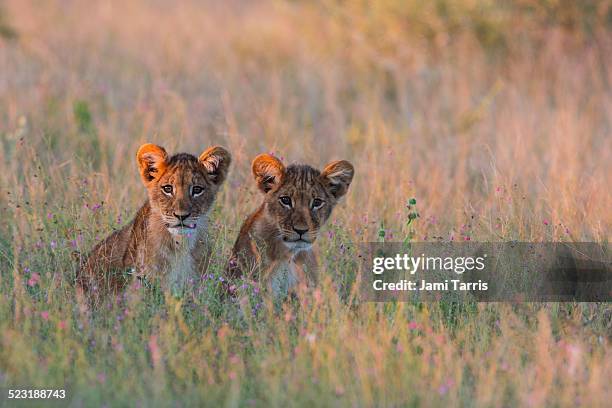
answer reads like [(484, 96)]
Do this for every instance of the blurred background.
[(494, 115)]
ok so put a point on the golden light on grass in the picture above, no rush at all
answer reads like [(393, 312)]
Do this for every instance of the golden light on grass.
[(496, 118)]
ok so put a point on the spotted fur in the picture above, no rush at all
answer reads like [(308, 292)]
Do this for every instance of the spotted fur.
[(168, 237), (275, 242)]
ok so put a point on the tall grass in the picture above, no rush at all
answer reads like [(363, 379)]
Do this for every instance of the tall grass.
[(494, 116)]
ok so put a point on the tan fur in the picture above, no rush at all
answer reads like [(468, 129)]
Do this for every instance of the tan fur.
[(168, 237), (275, 242)]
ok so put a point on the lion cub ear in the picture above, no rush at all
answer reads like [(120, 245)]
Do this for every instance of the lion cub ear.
[(337, 176), (268, 171), (151, 161), (216, 160)]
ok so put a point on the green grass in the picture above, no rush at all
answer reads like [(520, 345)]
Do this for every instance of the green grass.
[(493, 116), (325, 349)]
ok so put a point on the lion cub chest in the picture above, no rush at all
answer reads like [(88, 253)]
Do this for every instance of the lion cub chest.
[(284, 277), (180, 265), (288, 273)]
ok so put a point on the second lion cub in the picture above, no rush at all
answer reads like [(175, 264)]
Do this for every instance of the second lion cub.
[(275, 242)]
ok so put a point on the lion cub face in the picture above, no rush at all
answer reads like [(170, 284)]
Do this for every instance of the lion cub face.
[(182, 188), (299, 199)]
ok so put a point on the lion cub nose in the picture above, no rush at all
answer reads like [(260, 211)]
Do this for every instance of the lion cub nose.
[(300, 231), (182, 216)]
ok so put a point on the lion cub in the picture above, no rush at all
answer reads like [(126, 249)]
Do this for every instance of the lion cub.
[(168, 236), (275, 242)]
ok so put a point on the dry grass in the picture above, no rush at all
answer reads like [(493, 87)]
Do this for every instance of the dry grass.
[(495, 117)]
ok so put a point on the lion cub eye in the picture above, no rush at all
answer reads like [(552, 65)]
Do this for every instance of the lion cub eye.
[(196, 191), (286, 201), (317, 203), (167, 189)]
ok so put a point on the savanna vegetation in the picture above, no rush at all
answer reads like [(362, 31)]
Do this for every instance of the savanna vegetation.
[(465, 120)]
